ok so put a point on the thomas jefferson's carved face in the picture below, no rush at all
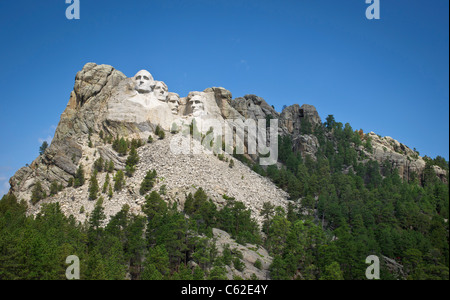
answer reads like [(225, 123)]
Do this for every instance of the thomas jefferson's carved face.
[(161, 91), (143, 82)]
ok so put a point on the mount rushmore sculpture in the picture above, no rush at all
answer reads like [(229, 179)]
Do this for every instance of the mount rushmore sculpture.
[(141, 99)]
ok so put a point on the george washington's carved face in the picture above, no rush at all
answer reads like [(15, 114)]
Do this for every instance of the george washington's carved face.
[(143, 82)]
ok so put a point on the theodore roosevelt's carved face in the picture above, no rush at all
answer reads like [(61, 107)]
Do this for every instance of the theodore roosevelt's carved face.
[(174, 102), (143, 82), (161, 91), (197, 105)]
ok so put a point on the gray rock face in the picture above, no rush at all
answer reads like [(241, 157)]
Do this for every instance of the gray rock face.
[(394, 267), (400, 157), (307, 144), (250, 254), (253, 107), (223, 99), (293, 116), (85, 110)]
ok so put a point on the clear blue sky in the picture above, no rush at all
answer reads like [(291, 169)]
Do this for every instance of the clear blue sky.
[(389, 76)]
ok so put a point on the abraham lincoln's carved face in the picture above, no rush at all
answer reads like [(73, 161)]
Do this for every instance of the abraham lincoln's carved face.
[(197, 105)]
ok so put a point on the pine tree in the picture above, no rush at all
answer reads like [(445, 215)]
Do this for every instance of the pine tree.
[(148, 182), (160, 132), (43, 147), (93, 187), (95, 222), (162, 135), (119, 180), (332, 272), (111, 166), (37, 193), (106, 184), (132, 161), (99, 165), (110, 192), (199, 274), (79, 177), (54, 188), (120, 146)]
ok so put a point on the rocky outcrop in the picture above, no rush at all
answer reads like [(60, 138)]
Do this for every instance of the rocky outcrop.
[(307, 145), (84, 113), (401, 157), (250, 255), (254, 107), (292, 118), (393, 267), (223, 99)]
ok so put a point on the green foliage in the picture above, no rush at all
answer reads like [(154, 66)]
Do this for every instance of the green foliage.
[(99, 165), (306, 126), (106, 184), (201, 209), (93, 187), (132, 161), (231, 164), (110, 192), (38, 193), (368, 208), (110, 168), (258, 264), (79, 177), (119, 181), (120, 146), (238, 264), (54, 188), (160, 132), (349, 207), (148, 182), (332, 272), (43, 147), (235, 218), (36, 247), (217, 273)]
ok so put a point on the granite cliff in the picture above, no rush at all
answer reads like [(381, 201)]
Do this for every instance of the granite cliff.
[(105, 103)]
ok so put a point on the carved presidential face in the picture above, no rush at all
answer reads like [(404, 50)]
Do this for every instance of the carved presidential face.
[(143, 82), (197, 105), (161, 91), (174, 103)]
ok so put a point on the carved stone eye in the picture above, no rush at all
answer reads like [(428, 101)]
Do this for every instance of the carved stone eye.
[(146, 78), (138, 77)]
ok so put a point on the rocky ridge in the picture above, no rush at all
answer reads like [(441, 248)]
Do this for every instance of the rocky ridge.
[(99, 104)]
